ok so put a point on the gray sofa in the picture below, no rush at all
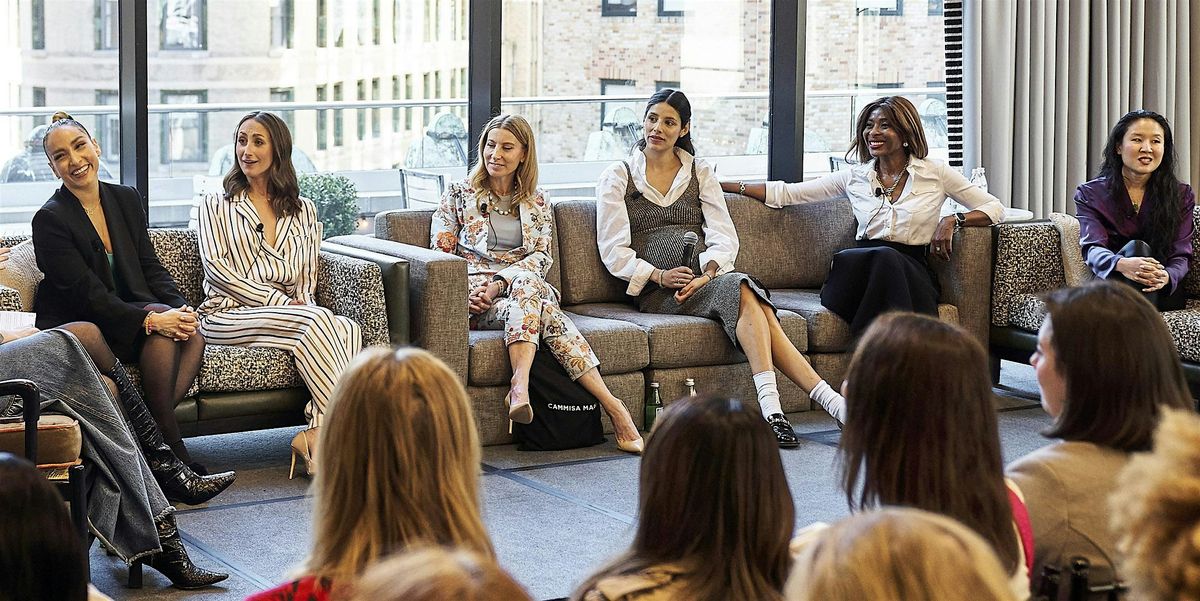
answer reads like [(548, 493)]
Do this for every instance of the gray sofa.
[(243, 388), (1035, 257), (789, 250)]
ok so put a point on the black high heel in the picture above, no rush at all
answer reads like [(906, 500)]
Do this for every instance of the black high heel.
[(174, 563)]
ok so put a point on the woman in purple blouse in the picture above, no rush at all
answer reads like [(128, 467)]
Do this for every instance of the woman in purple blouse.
[(1135, 220)]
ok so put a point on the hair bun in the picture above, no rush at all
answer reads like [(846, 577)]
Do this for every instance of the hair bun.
[(61, 115)]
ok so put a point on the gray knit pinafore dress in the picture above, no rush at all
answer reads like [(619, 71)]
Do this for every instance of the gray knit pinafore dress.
[(656, 235)]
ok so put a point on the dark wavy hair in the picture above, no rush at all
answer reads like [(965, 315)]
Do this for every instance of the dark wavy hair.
[(282, 185), (921, 428), (41, 555), (902, 115), (678, 101), (1163, 187), (713, 498), (1119, 363)]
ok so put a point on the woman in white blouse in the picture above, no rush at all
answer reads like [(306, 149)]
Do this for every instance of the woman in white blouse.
[(259, 245), (897, 195), (646, 206)]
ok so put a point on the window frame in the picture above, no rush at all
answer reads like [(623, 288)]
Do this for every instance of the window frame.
[(609, 8), (663, 12)]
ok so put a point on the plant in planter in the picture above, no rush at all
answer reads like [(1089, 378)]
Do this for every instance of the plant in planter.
[(336, 200)]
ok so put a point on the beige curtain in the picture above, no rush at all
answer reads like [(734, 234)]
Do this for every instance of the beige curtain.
[(1046, 79)]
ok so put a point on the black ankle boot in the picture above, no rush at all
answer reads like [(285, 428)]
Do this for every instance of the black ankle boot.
[(177, 480), (174, 563)]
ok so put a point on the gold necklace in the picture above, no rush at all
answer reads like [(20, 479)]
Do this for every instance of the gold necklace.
[(91, 211)]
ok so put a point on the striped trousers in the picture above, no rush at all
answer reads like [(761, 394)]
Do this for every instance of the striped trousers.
[(321, 343)]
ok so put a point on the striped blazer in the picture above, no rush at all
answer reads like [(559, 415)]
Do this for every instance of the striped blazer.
[(241, 269)]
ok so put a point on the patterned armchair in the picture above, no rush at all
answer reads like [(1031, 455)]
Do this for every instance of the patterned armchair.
[(244, 388)]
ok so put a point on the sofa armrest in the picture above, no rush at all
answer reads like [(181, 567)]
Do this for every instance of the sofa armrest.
[(10, 299), (966, 279), (354, 288), (437, 289), (1028, 261), (395, 287)]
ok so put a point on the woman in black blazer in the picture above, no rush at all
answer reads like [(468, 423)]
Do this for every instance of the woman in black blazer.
[(91, 243)]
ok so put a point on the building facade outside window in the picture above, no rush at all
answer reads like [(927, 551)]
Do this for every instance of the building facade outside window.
[(107, 27), (184, 134), (37, 33), (337, 116), (322, 119), (182, 25), (362, 113), (376, 121), (322, 22), (282, 23), (108, 126), (38, 96), (616, 87), (408, 95), (396, 110), (285, 95)]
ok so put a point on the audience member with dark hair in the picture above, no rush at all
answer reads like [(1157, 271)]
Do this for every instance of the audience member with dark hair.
[(646, 207), (91, 242), (898, 554), (897, 194), (501, 223), (1135, 219), (126, 508), (1156, 513), (437, 574), (1106, 368), (41, 556), (715, 512), (259, 245), (400, 467), (920, 431)]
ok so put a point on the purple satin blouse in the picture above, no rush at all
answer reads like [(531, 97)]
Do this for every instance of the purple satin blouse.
[(1107, 222)]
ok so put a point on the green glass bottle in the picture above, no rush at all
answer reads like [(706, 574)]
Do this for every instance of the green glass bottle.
[(654, 406)]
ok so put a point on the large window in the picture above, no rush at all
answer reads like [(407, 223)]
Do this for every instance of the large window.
[(282, 23), (107, 25), (852, 60), (182, 25), (184, 134)]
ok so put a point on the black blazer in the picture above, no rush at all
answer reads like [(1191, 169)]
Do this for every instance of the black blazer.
[(79, 285)]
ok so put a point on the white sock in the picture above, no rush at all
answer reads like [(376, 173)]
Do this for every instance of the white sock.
[(768, 393), (829, 400)]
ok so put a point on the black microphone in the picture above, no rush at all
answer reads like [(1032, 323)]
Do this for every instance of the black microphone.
[(259, 228), (878, 192), (689, 245), (97, 246)]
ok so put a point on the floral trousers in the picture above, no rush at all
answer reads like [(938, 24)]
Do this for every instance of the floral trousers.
[(530, 313)]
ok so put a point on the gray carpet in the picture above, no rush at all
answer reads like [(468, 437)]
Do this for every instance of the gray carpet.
[(553, 516)]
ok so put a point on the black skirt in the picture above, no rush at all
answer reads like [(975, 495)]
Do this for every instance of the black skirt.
[(876, 277)]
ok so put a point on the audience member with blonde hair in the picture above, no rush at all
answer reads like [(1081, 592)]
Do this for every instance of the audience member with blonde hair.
[(400, 466), (715, 512), (1156, 513), (898, 554), (437, 573)]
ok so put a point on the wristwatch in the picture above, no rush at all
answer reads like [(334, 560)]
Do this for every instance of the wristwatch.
[(960, 219)]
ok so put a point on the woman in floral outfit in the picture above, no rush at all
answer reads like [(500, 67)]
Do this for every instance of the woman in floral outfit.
[(500, 222)]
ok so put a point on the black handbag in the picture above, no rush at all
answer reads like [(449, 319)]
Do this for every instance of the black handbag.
[(565, 415)]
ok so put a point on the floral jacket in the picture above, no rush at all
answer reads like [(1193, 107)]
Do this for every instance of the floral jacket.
[(460, 227)]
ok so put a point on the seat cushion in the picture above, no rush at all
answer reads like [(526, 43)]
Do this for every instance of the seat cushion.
[(686, 341), (244, 368), (58, 440), (620, 346), (1026, 311), (1184, 326), (828, 333)]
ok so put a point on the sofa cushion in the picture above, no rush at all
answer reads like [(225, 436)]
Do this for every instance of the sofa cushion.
[(1028, 260), (585, 279), (1184, 326), (179, 252), (244, 368), (20, 272), (828, 333), (620, 346), (685, 341), (790, 247), (1026, 311)]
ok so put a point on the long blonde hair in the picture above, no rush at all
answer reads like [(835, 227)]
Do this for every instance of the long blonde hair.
[(525, 180), (436, 573), (399, 464), (898, 554)]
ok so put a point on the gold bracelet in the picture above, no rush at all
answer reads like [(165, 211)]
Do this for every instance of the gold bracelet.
[(146, 323)]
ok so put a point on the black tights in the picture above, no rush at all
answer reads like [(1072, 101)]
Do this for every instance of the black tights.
[(168, 368)]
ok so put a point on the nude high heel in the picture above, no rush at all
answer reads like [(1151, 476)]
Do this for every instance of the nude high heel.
[(635, 446), (304, 444), (522, 413)]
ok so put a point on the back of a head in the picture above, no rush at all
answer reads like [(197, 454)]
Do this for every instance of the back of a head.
[(436, 573), (400, 464), (1156, 513), (898, 554), (713, 492), (921, 427), (1119, 364), (41, 556)]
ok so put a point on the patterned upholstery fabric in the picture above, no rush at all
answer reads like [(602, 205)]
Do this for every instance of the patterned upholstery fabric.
[(1028, 260), (179, 252), (10, 298), (1191, 281), (1026, 311), (1075, 269), (1184, 326), (353, 288), (20, 273)]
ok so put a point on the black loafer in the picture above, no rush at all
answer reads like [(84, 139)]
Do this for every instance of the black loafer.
[(784, 433)]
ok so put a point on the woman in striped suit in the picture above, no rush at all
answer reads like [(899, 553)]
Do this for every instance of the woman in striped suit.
[(259, 243)]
